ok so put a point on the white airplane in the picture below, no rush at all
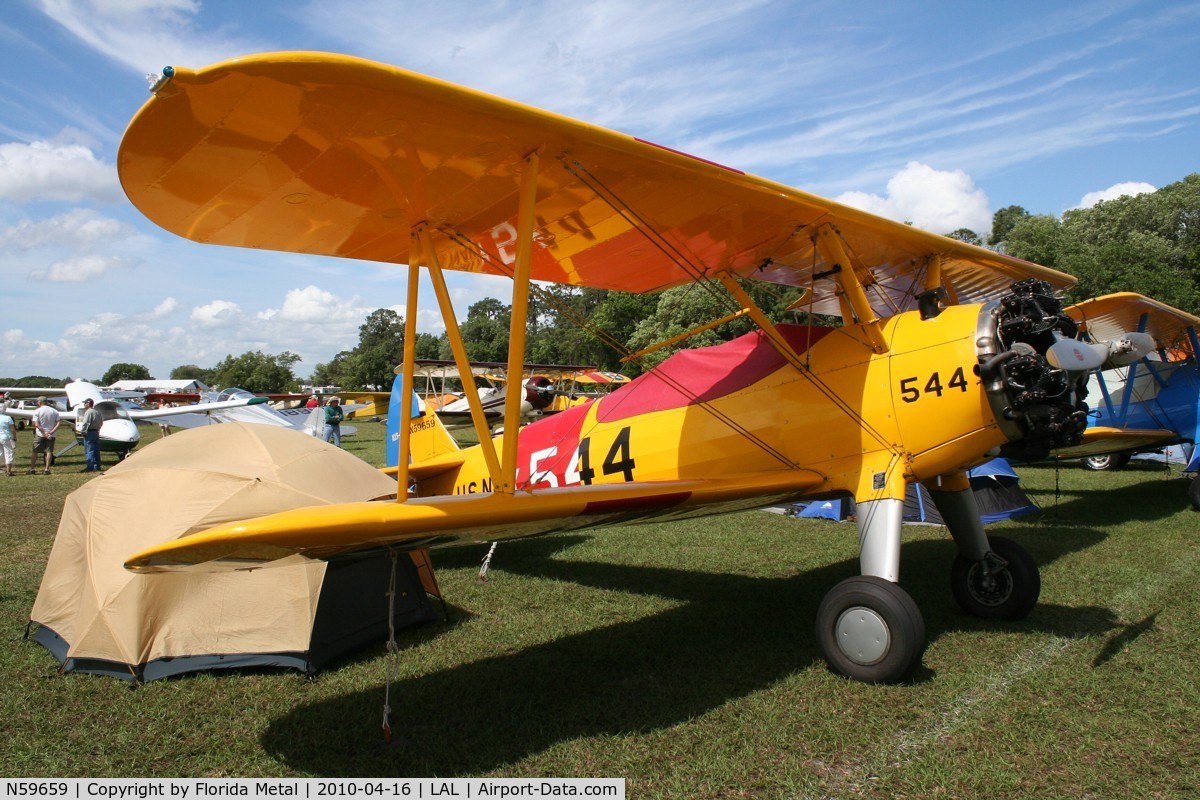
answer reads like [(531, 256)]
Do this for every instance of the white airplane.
[(253, 408), (118, 433)]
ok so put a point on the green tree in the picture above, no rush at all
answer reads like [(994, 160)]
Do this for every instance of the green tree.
[(1003, 222), (485, 330), (1036, 238), (966, 235), (191, 372), (683, 308), (618, 315), (256, 371), (124, 371), (34, 381), (335, 372), (380, 348), (1148, 244), (428, 345)]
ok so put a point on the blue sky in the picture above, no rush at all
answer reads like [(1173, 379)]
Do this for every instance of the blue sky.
[(938, 113)]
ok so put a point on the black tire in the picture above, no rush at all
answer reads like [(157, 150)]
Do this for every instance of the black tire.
[(1108, 461), (1009, 594), (870, 630), (1194, 493)]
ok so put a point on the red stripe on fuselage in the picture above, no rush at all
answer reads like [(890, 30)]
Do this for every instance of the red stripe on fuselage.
[(698, 376)]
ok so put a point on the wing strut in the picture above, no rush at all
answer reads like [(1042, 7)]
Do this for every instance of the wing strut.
[(516, 327), (404, 452), (852, 287), (461, 362)]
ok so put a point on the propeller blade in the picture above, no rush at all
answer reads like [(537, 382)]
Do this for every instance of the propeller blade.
[(1076, 356), (1129, 348)]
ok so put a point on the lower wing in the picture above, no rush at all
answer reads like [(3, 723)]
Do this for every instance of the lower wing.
[(1099, 441), (327, 531)]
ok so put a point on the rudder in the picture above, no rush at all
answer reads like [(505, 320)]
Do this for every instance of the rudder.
[(428, 439)]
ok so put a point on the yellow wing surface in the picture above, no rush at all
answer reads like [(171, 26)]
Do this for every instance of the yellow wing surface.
[(1112, 315), (326, 154), (322, 531), (1100, 440)]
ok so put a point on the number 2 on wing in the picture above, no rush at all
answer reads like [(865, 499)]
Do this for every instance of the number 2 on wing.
[(909, 392)]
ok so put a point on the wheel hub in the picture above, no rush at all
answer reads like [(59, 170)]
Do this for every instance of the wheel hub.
[(991, 587), (862, 635)]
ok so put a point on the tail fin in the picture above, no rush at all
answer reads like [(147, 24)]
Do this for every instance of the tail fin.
[(428, 438)]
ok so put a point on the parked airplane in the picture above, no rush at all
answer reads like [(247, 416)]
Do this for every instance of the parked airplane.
[(948, 354), (1148, 395), (118, 433), (254, 408), (539, 390)]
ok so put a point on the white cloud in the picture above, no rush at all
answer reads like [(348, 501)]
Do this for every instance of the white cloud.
[(216, 314), (936, 200), (78, 269), (48, 171), (316, 306), (20, 350), (1128, 188), (78, 227), (165, 308), (149, 34)]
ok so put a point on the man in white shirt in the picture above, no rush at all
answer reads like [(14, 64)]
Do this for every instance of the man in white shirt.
[(45, 429), (8, 439)]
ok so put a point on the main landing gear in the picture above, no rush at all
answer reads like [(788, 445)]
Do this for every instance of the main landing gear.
[(870, 630)]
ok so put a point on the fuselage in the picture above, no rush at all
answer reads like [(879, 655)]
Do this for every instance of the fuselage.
[(915, 412)]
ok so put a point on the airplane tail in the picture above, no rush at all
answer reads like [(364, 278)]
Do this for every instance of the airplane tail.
[(428, 438)]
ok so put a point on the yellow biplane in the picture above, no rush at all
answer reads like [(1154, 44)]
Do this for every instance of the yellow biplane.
[(948, 354)]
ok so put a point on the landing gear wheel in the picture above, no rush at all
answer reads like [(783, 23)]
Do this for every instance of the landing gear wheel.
[(1007, 592), (870, 630), (1109, 461), (1194, 492)]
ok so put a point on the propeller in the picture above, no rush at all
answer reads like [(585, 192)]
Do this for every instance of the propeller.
[(1129, 348), (1074, 355)]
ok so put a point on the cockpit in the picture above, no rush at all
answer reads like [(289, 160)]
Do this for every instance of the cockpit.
[(234, 393)]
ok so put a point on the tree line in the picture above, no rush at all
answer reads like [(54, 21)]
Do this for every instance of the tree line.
[(1148, 243)]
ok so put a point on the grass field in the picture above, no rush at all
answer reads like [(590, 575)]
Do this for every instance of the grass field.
[(681, 658)]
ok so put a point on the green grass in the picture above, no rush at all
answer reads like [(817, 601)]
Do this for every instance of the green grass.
[(681, 658)]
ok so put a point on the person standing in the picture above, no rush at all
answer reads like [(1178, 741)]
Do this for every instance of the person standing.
[(45, 430), (90, 421), (164, 427), (8, 439), (333, 421)]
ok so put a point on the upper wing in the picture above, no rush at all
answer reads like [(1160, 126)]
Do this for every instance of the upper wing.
[(326, 531), (1112, 315), (327, 154)]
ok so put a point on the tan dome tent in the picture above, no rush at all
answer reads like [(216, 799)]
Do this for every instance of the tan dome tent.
[(95, 616)]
